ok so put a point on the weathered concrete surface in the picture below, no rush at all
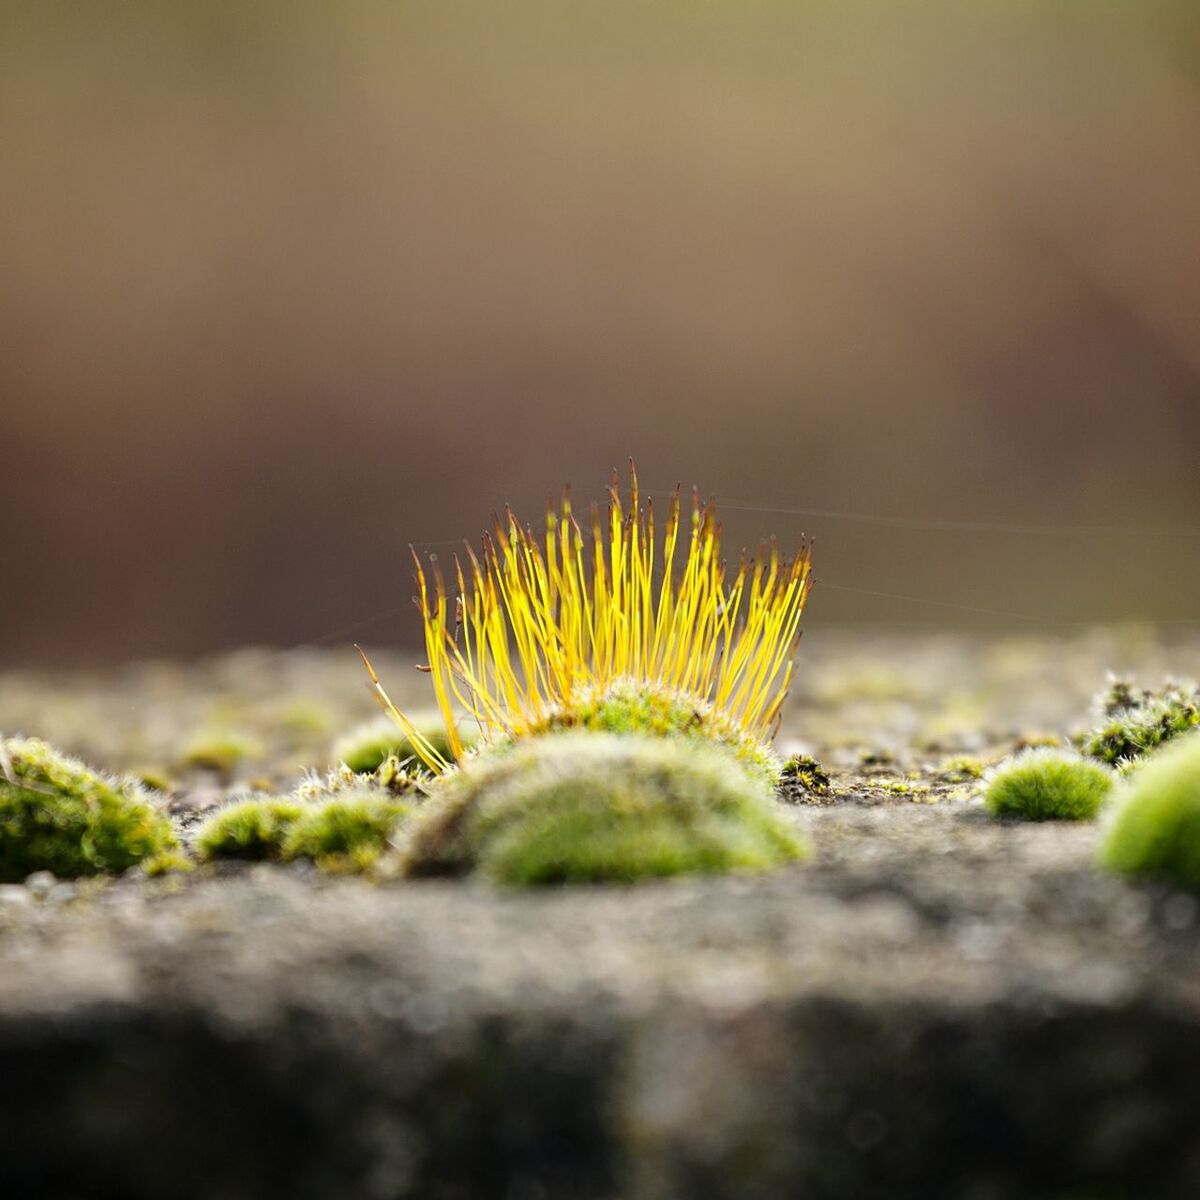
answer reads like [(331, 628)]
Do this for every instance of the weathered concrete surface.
[(937, 1006)]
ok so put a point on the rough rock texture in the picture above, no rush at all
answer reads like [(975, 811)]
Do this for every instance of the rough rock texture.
[(938, 1005)]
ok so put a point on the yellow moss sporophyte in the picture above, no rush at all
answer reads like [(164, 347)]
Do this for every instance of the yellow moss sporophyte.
[(530, 631)]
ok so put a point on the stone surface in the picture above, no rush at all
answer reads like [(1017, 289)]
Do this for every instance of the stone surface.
[(938, 1005)]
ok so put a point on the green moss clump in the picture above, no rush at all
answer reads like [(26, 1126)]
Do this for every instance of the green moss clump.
[(904, 787), (580, 807), (1121, 694), (1038, 741), (803, 774), (1138, 722), (303, 717), (1155, 828), (167, 863), (58, 815), (876, 757), (391, 776), (153, 778), (962, 768), (341, 820), (366, 747), (635, 707), (1047, 785), (249, 829), (221, 750), (349, 831)]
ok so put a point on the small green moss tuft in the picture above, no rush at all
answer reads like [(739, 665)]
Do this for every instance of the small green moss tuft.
[(1047, 785), (1120, 695), (153, 778), (594, 807), (804, 773), (635, 707), (962, 768), (366, 747), (1155, 828), (1038, 741), (349, 831), (876, 757), (248, 829), (58, 815), (168, 862), (221, 750), (904, 787), (391, 776), (301, 718), (1138, 722), (342, 820)]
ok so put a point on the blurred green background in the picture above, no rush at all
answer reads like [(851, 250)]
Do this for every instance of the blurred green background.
[(284, 287)]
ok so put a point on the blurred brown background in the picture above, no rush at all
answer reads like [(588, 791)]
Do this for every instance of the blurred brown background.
[(284, 286)]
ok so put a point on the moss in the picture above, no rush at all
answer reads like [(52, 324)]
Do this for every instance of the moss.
[(594, 807), (1047, 785), (1155, 829), (221, 750), (1145, 721), (248, 829), (58, 815), (876, 757), (803, 771), (153, 778), (366, 747), (903, 787), (1038, 741), (341, 820), (347, 831), (168, 862), (961, 769), (634, 707), (1121, 694), (303, 717), (392, 776)]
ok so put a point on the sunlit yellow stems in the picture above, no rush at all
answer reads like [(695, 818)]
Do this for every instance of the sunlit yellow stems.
[(532, 625)]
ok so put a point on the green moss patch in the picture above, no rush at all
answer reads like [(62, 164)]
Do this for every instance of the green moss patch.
[(1047, 785), (56, 814), (962, 769), (1156, 823), (342, 821), (1139, 722), (346, 832), (366, 747), (582, 807), (221, 750), (803, 775), (634, 707), (249, 829)]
